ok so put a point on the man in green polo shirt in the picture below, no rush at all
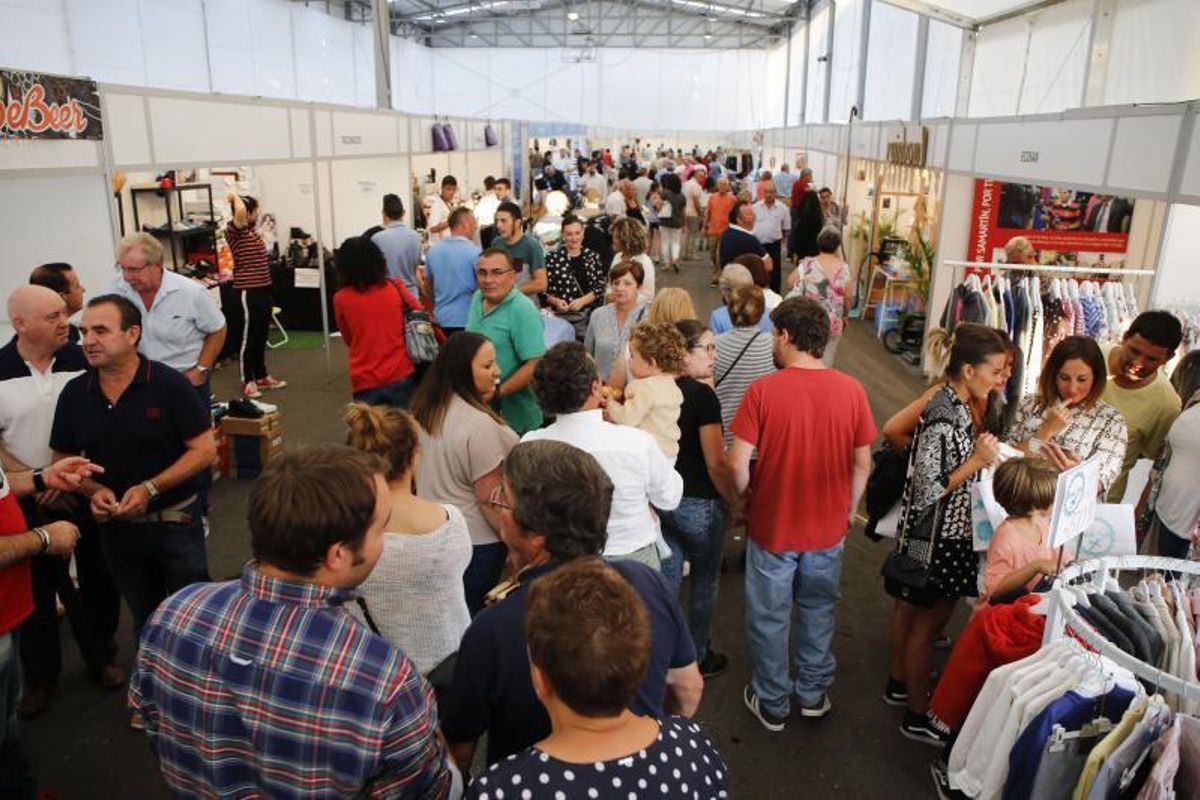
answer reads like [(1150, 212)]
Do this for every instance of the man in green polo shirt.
[(524, 252), (510, 319)]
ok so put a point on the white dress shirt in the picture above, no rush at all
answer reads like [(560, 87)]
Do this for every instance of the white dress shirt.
[(485, 209), (641, 475), (771, 222), (614, 205)]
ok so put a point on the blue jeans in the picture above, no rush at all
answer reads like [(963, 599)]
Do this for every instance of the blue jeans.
[(392, 394), (150, 561), (695, 531), (775, 583), (483, 573), (16, 778)]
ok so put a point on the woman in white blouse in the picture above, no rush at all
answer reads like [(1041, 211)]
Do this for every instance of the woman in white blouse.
[(1066, 422), (414, 597)]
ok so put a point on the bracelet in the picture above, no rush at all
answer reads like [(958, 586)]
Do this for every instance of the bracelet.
[(39, 480), (44, 535)]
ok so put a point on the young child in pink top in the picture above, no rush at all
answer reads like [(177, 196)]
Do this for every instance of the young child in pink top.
[(1019, 554)]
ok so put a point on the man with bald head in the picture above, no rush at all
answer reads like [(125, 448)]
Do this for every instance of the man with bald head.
[(34, 368)]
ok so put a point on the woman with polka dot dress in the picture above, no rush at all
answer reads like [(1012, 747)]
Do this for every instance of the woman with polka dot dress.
[(589, 643)]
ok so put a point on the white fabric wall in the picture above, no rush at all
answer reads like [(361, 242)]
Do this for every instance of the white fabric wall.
[(269, 48), (1032, 64), (796, 84), (943, 54), (891, 63), (847, 58), (1154, 57), (623, 87), (818, 65)]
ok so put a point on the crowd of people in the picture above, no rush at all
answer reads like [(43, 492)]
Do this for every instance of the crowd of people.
[(497, 549)]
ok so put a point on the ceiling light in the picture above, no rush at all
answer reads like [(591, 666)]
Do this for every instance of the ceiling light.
[(708, 36), (474, 35), (573, 16)]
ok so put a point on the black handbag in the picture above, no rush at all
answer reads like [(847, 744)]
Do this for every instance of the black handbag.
[(904, 577)]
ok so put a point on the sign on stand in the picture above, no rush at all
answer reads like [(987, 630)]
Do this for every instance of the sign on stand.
[(1075, 502), (37, 106)]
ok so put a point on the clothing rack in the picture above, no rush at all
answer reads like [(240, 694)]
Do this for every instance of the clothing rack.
[(1062, 615), (997, 265)]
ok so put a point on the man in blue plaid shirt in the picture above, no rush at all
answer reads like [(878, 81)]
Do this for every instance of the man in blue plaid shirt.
[(267, 685)]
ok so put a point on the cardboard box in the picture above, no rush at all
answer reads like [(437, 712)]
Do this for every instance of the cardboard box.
[(266, 425)]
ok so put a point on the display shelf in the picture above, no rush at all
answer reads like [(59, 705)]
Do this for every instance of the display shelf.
[(182, 243)]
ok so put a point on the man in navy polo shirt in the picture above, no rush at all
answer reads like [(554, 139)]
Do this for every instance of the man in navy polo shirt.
[(739, 239), (143, 423), (553, 503)]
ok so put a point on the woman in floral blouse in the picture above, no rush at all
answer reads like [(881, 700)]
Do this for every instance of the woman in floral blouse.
[(824, 279), (575, 278), (1066, 422)]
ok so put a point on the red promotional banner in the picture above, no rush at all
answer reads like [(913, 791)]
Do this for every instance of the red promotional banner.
[(37, 106), (1066, 227)]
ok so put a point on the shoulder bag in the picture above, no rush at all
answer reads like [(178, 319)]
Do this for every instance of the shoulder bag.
[(489, 136), (906, 578), (420, 334), (718, 381)]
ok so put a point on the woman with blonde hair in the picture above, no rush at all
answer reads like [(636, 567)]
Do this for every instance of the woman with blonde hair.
[(630, 243), (672, 304), (414, 597)]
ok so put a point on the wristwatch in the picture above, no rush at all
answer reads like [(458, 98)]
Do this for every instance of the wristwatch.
[(203, 370), (151, 488), (39, 480)]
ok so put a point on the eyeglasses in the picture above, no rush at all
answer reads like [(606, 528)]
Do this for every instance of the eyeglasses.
[(708, 348), (131, 270), (490, 273), (497, 498)]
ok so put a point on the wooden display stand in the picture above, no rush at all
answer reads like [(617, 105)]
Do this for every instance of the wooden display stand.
[(248, 445)]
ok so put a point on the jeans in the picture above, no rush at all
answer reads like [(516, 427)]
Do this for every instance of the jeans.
[(695, 531), (16, 778), (1170, 544), (483, 573), (775, 583), (396, 394), (150, 561)]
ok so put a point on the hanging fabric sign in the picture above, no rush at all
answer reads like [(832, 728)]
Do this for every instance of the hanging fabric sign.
[(1067, 228), (37, 106)]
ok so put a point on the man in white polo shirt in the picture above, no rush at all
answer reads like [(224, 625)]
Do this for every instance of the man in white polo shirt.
[(34, 367), (567, 385)]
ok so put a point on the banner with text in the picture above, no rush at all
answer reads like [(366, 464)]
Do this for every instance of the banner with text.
[(38, 106), (1066, 227)]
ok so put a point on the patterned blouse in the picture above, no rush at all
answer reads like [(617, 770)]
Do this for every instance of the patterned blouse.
[(1096, 431), (943, 441), (569, 279), (829, 292)]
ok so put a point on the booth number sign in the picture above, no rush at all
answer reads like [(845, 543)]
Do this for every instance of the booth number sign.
[(909, 154)]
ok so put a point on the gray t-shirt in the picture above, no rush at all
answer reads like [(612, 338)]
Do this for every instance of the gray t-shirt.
[(470, 445)]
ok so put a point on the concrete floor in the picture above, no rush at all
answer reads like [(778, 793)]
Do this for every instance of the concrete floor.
[(83, 748)]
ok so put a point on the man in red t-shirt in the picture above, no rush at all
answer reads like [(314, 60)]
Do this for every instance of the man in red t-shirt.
[(19, 544), (812, 428)]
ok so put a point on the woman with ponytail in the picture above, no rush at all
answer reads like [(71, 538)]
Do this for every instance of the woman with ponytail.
[(465, 442), (935, 559), (414, 597)]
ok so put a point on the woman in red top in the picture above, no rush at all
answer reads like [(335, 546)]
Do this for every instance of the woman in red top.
[(370, 315)]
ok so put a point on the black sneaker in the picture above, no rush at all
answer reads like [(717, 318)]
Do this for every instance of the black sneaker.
[(895, 693), (822, 707), (714, 664), (941, 782), (920, 728), (769, 721)]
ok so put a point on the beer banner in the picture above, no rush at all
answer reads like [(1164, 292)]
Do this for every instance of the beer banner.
[(38, 106)]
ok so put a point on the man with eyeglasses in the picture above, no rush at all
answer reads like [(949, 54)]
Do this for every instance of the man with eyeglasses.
[(514, 325)]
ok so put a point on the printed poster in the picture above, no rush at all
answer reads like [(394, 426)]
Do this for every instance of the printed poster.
[(1068, 228), (38, 106)]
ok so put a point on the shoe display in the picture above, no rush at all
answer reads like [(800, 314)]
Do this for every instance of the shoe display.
[(920, 728), (251, 390), (271, 383), (242, 408), (714, 664), (820, 709), (895, 693), (768, 720)]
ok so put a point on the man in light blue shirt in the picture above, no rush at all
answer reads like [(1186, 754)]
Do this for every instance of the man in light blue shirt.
[(450, 272), (784, 181), (401, 245)]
